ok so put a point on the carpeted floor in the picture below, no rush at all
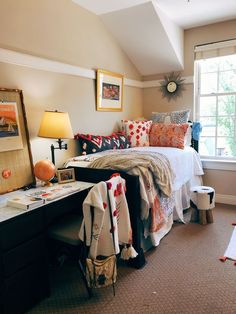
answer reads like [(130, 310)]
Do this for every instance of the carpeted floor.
[(183, 275)]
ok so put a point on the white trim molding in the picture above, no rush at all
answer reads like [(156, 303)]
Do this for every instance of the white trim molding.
[(22, 59), (156, 83), (225, 199), (133, 83), (226, 165)]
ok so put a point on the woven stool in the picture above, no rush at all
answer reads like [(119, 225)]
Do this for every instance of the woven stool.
[(202, 202)]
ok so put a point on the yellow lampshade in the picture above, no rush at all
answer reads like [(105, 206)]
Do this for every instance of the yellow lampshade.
[(55, 124)]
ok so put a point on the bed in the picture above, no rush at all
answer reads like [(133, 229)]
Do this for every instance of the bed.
[(159, 165), (186, 171)]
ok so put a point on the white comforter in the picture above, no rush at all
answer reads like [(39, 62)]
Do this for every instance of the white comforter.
[(185, 163)]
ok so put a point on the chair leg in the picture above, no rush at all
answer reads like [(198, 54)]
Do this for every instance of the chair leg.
[(114, 291), (81, 268)]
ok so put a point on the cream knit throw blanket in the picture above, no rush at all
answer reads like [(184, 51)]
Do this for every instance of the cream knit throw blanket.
[(156, 163)]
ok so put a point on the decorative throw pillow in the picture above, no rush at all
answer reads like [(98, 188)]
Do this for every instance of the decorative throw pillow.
[(179, 117), (168, 135), (137, 131), (123, 139), (90, 144)]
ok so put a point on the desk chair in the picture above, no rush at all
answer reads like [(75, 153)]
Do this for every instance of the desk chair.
[(66, 233), (100, 210)]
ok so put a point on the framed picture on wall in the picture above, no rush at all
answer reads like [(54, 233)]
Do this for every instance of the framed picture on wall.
[(109, 91), (10, 134), (16, 161)]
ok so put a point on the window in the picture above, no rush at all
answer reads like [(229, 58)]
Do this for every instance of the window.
[(215, 106)]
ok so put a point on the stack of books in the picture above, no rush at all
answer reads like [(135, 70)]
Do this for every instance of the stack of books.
[(25, 202)]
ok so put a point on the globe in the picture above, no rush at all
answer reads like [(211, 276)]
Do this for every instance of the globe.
[(44, 170)]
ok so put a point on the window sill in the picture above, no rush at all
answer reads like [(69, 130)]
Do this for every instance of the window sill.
[(227, 165)]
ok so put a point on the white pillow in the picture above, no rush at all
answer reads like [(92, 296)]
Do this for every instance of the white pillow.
[(188, 136)]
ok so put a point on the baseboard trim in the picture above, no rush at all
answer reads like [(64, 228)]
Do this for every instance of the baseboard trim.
[(225, 199)]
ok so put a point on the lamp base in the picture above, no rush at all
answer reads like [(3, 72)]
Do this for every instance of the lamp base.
[(60, 146)]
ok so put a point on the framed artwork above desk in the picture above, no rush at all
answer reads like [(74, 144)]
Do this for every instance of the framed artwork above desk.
[(16, 166)]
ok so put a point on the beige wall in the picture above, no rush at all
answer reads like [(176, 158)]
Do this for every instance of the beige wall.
[(222, 181), (204, 35), (62, 31), (153, 101)]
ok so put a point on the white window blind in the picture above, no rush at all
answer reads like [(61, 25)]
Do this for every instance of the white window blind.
[(218, 49)]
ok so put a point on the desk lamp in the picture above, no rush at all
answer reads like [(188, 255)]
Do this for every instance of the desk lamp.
[(56, 124)]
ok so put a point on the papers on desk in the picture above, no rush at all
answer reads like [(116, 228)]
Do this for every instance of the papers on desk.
[(57, 191), (60, 191), (38, 197), (25, 202)]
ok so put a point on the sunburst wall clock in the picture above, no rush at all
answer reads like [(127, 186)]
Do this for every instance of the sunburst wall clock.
[(172, 86)]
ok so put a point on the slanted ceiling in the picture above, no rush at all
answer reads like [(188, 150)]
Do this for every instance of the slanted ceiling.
[(151, 33), (149, 38)]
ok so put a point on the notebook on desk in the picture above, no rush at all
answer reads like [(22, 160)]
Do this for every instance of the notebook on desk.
[(25, 202)]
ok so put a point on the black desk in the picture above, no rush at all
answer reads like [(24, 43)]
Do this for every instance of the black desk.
[(24, 266)]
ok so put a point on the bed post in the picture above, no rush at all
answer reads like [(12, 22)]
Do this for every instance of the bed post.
[(195, 134), (195, 144)]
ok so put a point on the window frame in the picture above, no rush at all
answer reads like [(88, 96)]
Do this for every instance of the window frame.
[(212, 162)]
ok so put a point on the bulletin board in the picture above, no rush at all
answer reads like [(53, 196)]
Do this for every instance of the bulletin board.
[(16, 165)]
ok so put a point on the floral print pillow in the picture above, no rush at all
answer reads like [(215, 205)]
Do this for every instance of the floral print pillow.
[(168, 135)]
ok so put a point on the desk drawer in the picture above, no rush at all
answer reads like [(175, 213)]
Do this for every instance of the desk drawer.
[(1, 302), (20, 229), (23, 255), (1, 266), (26, 288)]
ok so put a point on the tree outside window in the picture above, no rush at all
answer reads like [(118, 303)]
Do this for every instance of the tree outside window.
[(216, 106)]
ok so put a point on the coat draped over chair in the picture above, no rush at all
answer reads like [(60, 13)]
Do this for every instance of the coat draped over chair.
[(106, 201)]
